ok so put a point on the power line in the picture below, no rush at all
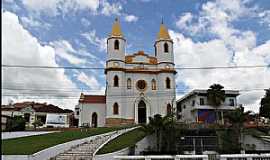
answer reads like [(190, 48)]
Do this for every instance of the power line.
[(102, 68), (94, 90), (131, 95)]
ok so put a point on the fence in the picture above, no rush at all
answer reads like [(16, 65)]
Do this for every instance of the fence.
[(198, 157)]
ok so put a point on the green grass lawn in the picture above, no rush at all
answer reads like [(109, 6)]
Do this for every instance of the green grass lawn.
[(123, 141), (33, 144)]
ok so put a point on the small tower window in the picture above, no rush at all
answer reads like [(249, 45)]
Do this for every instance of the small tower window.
[(166, 47), (116, 81), (154, 84), (128, 83), (115, 109), (116, 44), (168, 83), (169, 109)]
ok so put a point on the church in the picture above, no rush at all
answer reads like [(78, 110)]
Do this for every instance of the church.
[(138, 85)]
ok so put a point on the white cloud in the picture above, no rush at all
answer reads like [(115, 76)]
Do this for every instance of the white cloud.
[(131, 18), (50, 7), (31, 22), (89, 81), (85, 22), (21, 48), (9, 1), (183, 20), (96, 7), (11, 4), (54, 7), (215, 17), (230, 47), (65, 50), (91, 36), (111, 9), (215, 53), (92, 83), (265, 17)]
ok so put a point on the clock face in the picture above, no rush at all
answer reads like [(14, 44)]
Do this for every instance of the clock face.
[(141, 85)]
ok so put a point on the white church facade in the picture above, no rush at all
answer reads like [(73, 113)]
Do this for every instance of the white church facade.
[(137, 86)]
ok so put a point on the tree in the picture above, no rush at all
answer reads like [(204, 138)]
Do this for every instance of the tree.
[(17, 123), (215, 96), (164, 130), (169, 133), (265, 104), (237, 118), (156, 125)]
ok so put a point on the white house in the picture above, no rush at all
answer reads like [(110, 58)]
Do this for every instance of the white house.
[(32, 111), (137, 85), (194, 107)]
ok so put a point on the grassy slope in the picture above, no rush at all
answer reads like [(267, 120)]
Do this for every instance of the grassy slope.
[(33, 144), (123, 141)]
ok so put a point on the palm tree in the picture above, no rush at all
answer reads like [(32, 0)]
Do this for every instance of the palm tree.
[(237, 118), (215, 96), (156, 125)]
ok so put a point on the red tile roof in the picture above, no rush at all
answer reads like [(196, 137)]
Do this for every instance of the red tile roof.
[(92, 99), (38, 107)]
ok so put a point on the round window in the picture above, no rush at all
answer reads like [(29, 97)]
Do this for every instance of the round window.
[(141, 84)]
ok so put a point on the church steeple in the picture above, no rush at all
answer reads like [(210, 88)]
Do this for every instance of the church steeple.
[(163, 32), (164, 46), (116, 44), (116, 29)]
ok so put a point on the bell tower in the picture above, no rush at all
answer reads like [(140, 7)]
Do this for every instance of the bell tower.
[(164, 46), (116, 44)]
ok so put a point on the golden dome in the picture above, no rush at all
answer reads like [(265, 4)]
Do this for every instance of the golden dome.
[(163, 32), (116, 29)]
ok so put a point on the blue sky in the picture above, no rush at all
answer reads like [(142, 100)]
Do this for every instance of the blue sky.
[(74, 32)]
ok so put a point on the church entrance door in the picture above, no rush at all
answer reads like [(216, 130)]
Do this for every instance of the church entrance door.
[(94, 120), (141, 112)]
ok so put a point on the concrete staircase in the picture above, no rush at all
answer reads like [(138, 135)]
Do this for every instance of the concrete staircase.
[(83, 151), (88, 149)]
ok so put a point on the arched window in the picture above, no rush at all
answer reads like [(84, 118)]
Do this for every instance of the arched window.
[(115, 109), (128, 83), (168, 83), (169, 109), (154, 84), (116, 44), (166, 47), (116, 81)]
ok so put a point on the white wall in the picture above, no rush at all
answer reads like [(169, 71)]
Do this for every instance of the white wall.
[(249, 140), (161, 55), (116, 54), (144, 144), (189, 114), (86, 111), (126, 98)]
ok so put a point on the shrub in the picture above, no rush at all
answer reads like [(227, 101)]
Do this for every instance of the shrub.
[(37, 123), (17, 123)]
